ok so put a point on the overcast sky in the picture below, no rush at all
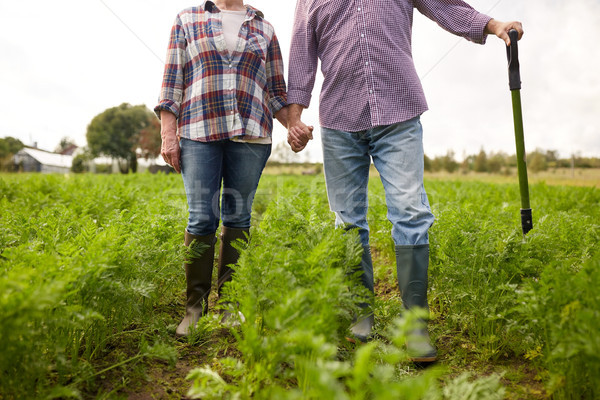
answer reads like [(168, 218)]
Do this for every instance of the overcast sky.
[(62, 62)]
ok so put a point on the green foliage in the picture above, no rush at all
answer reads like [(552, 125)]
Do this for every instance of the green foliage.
[(480, 164), (9, 146), (561, 310), (79, 269), (537, 161), (87, 263), (81, 162), (464, 387), (150, 140), (441, 163), (479, 258), (481, 268), (64, 144), (295, 288), (116, 133)]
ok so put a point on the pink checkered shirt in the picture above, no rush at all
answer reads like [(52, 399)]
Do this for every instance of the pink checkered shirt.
[(366, 57)]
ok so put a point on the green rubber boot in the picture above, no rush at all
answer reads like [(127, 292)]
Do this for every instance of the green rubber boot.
[(362, 329), (412, 263), (198, 274), (228, 256)]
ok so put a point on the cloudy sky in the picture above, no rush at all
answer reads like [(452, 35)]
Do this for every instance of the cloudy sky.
[(62, 62)]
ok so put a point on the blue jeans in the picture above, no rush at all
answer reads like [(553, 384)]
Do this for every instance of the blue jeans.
[(397, 152), (205, 166)]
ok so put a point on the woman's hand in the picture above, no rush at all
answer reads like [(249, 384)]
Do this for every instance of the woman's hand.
[(169, 149), (298, 135), (298, 132)]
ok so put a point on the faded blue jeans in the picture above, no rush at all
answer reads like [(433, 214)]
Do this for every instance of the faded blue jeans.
[(397, 152), (208, 166)]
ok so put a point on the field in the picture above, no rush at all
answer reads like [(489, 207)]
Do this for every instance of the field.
[(92, 288)]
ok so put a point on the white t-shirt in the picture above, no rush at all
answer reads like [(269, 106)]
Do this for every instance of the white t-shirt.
[(232, 22)]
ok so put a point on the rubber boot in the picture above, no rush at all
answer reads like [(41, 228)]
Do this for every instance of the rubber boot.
[(412, 263), (198, 274), (228, 256), (362, 328)]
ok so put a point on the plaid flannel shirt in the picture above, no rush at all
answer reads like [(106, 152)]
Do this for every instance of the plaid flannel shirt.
[(366, 57), (216, 94)]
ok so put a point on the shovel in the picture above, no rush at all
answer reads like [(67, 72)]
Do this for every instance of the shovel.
[(514, 78)]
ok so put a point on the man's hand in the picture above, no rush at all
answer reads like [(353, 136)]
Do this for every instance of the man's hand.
[(298, 135), (501, 29), (169, 149)]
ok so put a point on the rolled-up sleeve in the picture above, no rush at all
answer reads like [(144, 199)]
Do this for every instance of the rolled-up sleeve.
[(456, 17), (275, 77), (303, 58), (171, 93)]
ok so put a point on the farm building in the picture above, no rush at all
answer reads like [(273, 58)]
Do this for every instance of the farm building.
[(35, 160)]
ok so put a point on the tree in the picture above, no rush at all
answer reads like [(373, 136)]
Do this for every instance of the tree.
[(9, 146), (427, 164), (496, 162), (81, 162), (449, 162), (536, 161), (480, 163), (116, 133), (150, 140), (65, 143)]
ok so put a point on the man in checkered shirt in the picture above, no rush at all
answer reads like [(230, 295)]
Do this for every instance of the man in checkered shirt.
[(370, 105)]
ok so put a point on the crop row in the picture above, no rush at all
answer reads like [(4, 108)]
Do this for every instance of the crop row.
[(90, 265)]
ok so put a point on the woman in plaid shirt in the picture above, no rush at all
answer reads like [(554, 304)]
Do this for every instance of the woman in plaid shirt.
[(222, 85)]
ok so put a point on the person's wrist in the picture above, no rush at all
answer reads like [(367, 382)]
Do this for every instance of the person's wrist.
[(168, 134), (490, 28), (293, 121)]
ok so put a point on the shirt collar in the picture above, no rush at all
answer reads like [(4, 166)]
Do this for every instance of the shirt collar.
[(210, 6)]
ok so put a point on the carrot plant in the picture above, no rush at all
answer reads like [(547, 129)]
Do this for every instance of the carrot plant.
[(295, 287), (561, 312), (91, 271), (84, 261)]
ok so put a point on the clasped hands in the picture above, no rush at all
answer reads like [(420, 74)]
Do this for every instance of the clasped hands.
[(298, 135)]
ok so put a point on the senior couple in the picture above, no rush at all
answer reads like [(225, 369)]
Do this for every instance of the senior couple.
[(223, 84)]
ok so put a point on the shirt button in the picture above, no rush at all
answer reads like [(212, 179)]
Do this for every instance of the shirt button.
[(367, 63), (371, 91), (358, 8), (362, 35)]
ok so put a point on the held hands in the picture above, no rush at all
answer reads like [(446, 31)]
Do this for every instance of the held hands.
[(501, 29), (298, 135)]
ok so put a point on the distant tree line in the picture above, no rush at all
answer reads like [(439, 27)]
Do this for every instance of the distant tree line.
[(502, 163), (126, 133)]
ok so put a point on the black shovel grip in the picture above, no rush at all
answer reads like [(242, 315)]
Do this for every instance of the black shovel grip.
[(512, 53)]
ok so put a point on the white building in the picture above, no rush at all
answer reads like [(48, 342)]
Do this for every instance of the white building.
[(35, 160)]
